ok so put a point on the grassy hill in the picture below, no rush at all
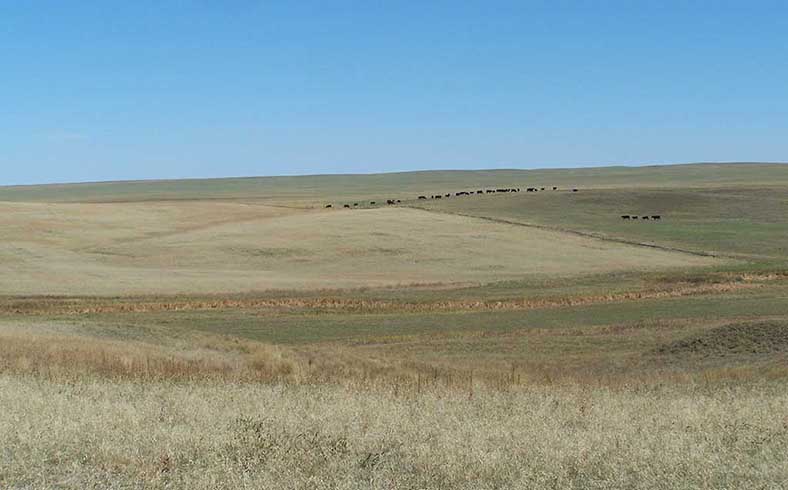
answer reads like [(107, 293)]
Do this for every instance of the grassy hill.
[(234, 333), (314, 190)]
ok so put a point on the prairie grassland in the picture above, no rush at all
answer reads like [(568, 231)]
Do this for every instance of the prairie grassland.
[(185, 247), (125, 400), (121, 434), (316, 190), (202, 411), (745, 222), (142, 344)]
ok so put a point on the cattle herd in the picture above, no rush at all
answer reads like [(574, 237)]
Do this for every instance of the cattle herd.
[(504, 190), (653, 217)]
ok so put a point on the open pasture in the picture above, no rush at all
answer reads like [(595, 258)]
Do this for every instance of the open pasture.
[(252, 338), (317, 190), (223, 247), (743, 222)]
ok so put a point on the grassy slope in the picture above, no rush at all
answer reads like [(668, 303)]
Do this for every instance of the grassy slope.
[(222, 247), (746, 222), (688, 377), (313, 190)]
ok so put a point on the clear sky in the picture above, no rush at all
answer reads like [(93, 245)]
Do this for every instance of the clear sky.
[(104, 90)]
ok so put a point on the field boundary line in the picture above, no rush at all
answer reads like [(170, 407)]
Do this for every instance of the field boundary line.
[(585, 234)]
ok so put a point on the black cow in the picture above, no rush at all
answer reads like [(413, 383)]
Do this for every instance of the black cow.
[(574, 190), (372, 203), (355, 204), (329, 206), (542, 188), (422, 197), (555, 188), (656, 216), (644, 217), (624, 216), (479, 192), (438, 197), (398, 201), (347, 205)]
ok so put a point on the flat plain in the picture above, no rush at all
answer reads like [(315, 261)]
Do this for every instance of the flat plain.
[(237, 333)]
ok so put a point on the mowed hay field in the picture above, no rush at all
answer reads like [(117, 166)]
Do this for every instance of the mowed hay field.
[(238, 334)]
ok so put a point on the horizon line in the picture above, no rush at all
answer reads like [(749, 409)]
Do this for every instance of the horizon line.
[(393, 172)]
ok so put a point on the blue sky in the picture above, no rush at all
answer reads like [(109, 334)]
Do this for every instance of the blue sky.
[(108, 90)]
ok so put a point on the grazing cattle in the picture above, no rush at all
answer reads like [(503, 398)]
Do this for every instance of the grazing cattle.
[(542, 188), (644, 217), (422, 197), (489, 191), (656, 216), (479, 192), (347, 205), (398, 201), (329, 206), (574, 190), (355, 204), (555, 188), (372, 203), (624, 216)]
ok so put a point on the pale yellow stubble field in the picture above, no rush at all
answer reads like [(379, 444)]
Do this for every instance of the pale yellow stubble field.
[(224, 247)]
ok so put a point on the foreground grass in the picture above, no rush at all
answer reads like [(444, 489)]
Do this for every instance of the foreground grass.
[(98, 434)]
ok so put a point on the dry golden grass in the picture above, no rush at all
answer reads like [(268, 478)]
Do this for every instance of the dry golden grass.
[(98, 434), (207, 411), (217, 247), (62, 356), (129, 379), (344, 303)]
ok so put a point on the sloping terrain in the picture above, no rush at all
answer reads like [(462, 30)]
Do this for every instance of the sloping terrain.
[(732, 342), (312, 190), (216, 247)]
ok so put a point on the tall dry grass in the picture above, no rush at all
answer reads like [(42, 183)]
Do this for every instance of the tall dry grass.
[(218, 412), (73, 357), (209, 434)]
